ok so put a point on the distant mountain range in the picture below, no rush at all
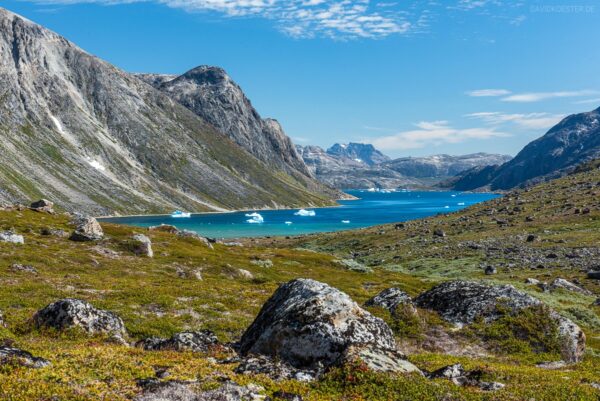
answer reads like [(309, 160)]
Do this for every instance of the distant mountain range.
[(93, 138), (355, 165), (573, 141)]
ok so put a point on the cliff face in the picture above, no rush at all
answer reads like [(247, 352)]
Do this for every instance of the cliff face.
[(91, 137), (575, 140)]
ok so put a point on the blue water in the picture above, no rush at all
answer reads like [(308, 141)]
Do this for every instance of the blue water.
[(371, 209)]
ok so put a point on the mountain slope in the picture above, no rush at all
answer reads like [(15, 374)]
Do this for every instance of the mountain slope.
[(94, 138), (359, 152), (575, 140)]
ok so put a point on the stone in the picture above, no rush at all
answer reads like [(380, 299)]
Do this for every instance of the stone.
[(390, 299), (11, 238), (186, 391), (195, 235), (245, 274), (68, 313), (16, 267), (43, 205), (309, 324), (164, 228), (554, 365), (594, 275), (142, 246), (532, 281), (490, 270), (20, 357), (461, 302), (457, 375), (195, 341), (54, 232), (354, 266), (265, 263), (377, 359), (285, 396), (561, 283), (491, 386), (87, 229), (275, 369), (439, 233), (531, 238), (597, 302)]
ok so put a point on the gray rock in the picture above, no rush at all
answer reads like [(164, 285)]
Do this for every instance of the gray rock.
[(491, 386), (20, 357), (438, 232), (181, 391), (43, 205), (354, 266), (54, 232), (461, 302), (457, 375), (11, 238), (245, 274), (68, 313), (390, 299), (554, 365), (195, 235), (142, 246), (377, 359), (195, 341), (265, 263), (561, 283), (275, 369), (490, 270), (594, 275), (532, 281), (309, 324), (16, 267), (87, 229)]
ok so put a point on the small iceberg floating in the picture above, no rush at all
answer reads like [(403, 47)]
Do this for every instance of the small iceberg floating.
[(345, 221), (461, 203), (305, 213), (179, 214), (446, 207), (255, 218), (288, 223)]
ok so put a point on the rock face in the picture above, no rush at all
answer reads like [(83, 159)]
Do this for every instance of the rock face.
[(309, 324), (20, 357), (11, 238), (142, 246), (210, 93), (196, 341), (68, 313), (43, 205), (390, 299), (98, 140), (87, 229), (573, 141), (461, 302)]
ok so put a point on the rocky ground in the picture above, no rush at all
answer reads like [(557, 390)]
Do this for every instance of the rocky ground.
[(493, 302)]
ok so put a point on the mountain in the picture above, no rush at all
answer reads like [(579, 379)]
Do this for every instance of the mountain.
[(211, 94), (93, 138), (439, 166), (345, 172), (359, 152), (575, 140)]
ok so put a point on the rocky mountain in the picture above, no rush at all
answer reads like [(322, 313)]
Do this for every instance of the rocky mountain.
[(359, 152), (439, 166), (91, 137), (575, 140), (356, 166), (350, 173)]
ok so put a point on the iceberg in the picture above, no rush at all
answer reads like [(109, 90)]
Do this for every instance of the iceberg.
[(305, 213), (255, 218), (346, 221), (179, 214), (461, 203), (288, 223)]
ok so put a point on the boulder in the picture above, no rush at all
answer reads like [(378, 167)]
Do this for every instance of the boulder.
[(182, 391), (245, 274), (164, 228), (390, 299), (308, 324), (461, 302), (43, 205), (594, 275), (87, 229), (195, 341), (142, 246), (195, 235), (490, 270), (561, 283), (457, 375), (377, 359), (68, 313), (274, 369), (438, 232), (11, 238), (20, 357), (18, 268)]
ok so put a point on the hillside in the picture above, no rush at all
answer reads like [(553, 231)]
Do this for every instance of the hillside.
[(575, 140), (94, 138)]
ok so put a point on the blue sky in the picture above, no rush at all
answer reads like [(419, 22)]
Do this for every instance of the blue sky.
[(412, 77)]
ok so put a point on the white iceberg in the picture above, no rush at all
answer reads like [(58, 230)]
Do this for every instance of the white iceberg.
[(461, 203), (305, 213), (346, 221), (288, 223), (179, 214), (255, 218)]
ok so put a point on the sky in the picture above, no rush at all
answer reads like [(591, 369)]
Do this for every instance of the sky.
[(414, 78)]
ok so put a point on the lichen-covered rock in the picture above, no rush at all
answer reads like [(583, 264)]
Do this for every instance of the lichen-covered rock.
[(390, 299), (461, 302), (68, 313), (309, 324), (275, 369), (43, 205), (377, 359), (561, 283), (457, 375), (87, 229), (195, 235), (11, 238), (142, 246), (196, 341), (181, 391), (164, 228), (17, 267), (20, 357)]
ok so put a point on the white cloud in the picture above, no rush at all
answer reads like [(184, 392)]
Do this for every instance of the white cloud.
[(589, 101), (488, 92), (433, 133), (539, 96), (528, 121)]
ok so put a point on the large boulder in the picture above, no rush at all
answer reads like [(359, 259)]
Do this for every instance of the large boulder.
[(462, 302), (43, 205), (142, 246), (309, 324), (20, 357), (195, 341), (87, 229), (390, 299), (68, 313), (182, 391), (11, 238)]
